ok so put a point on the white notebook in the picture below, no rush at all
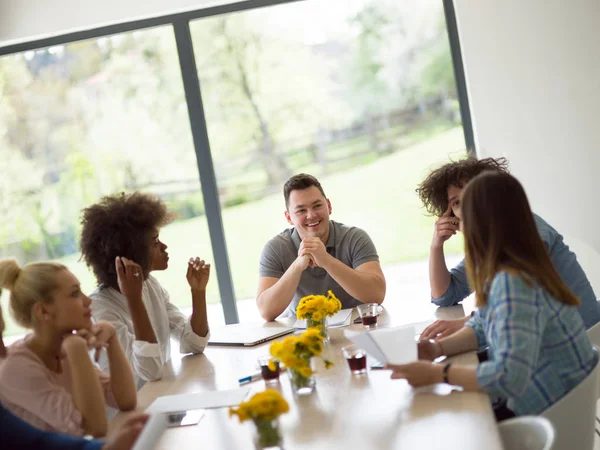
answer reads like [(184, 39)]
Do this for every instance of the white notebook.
[(151, 433), (387, 345), (202, 400), (340, 319)]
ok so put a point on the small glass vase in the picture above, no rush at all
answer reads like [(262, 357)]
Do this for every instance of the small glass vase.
[(301, 385), (267, 435), (321, 325)]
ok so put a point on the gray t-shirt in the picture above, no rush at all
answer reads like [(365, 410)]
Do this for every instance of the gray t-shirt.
[(350, 245)]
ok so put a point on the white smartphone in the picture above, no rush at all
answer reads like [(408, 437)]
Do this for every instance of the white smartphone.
[(184, 418)]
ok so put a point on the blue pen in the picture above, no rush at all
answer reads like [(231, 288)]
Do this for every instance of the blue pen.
[(250, 378)]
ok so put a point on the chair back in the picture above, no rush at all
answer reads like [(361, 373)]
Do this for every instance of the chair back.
[(574, 415), (588, 258), (526, 433), (594, 335)]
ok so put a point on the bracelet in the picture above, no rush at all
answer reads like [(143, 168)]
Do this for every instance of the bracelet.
[(445, 373)]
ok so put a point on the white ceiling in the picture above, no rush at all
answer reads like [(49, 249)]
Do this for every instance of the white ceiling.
[(26, 20)]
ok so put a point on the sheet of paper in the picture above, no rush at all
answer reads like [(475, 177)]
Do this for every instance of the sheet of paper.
[(387, 345), (420, 326), (202, 400), (339, 319), (364, 340), (398, 344), (151, 433)]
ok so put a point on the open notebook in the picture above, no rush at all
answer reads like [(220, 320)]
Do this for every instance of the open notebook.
[(387, 345), (340, 319)]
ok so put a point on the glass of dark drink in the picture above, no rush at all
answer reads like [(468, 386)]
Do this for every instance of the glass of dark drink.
[(270, 376), (369, 313), (357, 359)]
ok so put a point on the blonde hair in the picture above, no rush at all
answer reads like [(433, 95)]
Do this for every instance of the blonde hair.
[(28, 285)]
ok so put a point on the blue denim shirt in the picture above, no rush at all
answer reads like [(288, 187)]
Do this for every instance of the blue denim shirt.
[(538, 347), (564, 261)]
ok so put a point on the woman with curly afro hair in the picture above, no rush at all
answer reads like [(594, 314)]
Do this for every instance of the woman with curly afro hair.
[(441, 195), (120, 242)]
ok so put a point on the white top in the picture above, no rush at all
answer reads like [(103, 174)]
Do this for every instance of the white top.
[(167, 321)]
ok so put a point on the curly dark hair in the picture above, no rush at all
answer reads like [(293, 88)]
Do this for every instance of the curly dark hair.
[(433, 191), (120, 225)]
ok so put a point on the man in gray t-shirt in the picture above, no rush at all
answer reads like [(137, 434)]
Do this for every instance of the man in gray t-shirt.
[(316, 255)]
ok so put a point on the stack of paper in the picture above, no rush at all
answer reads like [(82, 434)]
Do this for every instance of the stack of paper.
[(387, 345), (340, 319), (203, 400), (151, 433)]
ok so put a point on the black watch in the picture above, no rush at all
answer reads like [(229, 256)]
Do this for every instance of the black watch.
[(445, 372)]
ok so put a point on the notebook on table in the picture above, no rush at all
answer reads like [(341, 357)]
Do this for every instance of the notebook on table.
[(246, 334), (342, 318)]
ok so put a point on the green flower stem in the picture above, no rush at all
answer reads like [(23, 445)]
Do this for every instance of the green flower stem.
[(299, 380), (268, 433)]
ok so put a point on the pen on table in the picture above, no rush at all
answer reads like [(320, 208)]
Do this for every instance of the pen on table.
[(250, 378)]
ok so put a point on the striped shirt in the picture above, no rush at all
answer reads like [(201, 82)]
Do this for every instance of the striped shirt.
[(538, 347)]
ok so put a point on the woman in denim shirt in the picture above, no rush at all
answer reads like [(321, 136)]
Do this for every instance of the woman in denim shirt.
[(538, 346)]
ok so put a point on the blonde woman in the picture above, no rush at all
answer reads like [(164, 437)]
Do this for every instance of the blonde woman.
[(48, 378)]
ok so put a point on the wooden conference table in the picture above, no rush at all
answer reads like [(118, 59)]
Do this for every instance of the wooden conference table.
[(351, 412)]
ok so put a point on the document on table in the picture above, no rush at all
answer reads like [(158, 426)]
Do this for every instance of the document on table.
[(340, 319), (202, 400), (151, 433), (420, 326), (387, 345)]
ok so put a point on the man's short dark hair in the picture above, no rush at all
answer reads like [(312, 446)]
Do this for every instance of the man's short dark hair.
[(299, 182)]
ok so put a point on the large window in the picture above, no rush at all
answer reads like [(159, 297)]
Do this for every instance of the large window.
[(359, 93), (92, 118)]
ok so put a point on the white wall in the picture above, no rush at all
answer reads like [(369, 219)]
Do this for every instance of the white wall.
[(533, 76), (22, 20)]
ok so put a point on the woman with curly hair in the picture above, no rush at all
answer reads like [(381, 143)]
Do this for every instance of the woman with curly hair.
[(441, 194), (538, 346), (120, 243)]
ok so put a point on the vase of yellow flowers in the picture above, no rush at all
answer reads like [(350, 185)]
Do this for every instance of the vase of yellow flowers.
[(296, 352), (315, 309), (264, 410), (301, 383)]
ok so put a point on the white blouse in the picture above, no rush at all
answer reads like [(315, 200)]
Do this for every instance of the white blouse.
[(167, 321)]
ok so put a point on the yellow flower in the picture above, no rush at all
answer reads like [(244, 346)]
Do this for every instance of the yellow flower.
[(306, 371), (296, 352), (318, 307), (316, 348), (265, 405), (328, 363), (272, 366), (312, 333)]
